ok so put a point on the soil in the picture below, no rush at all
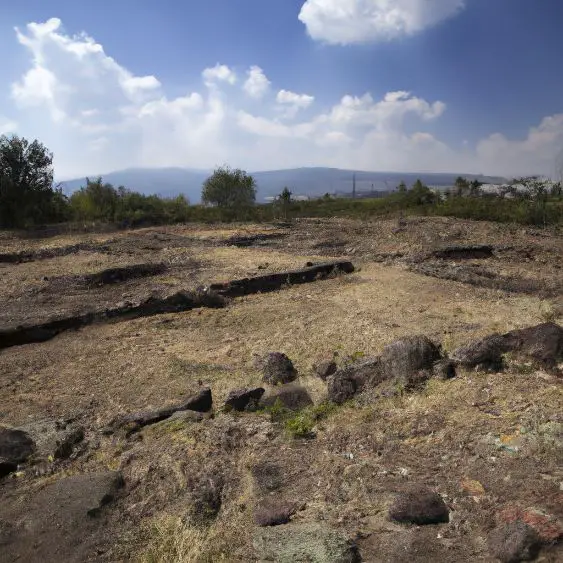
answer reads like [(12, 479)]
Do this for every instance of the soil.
[(195, 488)]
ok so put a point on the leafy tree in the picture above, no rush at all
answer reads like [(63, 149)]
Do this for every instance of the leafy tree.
[(228, 188), (462, 186), (27, 195), (421, 194), (97, 201), (285, 201), (402, 188)]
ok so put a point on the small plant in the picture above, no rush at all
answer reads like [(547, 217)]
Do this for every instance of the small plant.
[(547, 313), (301, 425)]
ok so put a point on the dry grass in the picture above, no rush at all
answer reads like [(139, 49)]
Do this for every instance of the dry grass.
[(450, 431)]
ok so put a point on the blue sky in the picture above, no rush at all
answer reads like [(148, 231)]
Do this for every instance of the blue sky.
[(407, 85)]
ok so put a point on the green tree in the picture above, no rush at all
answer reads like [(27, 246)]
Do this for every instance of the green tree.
[(461, 186), (402, 188), (27, 194), (97, 201), (230, 189), (284, 200)]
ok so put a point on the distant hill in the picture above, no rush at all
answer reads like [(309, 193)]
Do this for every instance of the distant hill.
[(312, 182)]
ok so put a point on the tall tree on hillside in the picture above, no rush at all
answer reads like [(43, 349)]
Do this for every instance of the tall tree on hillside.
[(402, 188), (27, 194), (285, 201), (228, 188)]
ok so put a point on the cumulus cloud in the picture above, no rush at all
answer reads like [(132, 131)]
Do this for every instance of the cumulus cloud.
[(219, 73), (97, 116), (290, 103), (361, 21), (257, 83)]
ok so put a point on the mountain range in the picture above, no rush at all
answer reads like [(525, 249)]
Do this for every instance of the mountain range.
[(311, 182)]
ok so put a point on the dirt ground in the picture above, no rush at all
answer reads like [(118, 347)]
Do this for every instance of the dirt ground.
[(489, 443)]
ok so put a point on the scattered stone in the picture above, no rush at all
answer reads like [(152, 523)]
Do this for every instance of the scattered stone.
[(244, 399), (54, 439), (291, 396), (485, 354), (548, 528), (341, 388), (410, 360), (444, 369), (325, 367), (419, 506), (542, 343), (272, 512), (347, 381), (200, 402), (307, 542), (472, 487), (514, 542), (278, 368), (16, 446)]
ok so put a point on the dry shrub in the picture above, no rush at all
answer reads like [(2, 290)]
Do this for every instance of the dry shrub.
[(173, 540)]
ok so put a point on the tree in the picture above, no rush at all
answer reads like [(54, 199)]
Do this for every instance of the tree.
[(461, 186), (27, 194), (97, 201), (228, 188), (402, 188), (285, 201)]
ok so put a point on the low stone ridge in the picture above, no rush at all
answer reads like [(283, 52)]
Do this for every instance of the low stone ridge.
[(291, 396), (181, 301), (44, 253), (542, 343), (464, 252), (16, 446), (277, 369), (419, 506), (514, 542), (122, 274), (275, 281), (130, 423), (304, 543), (244, 399), (251, 240)]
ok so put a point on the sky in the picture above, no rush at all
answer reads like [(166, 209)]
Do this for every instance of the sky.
[(470, 86)]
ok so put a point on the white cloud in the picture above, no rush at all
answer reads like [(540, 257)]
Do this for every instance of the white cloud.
[(219, 73), (290, 103), (96, 116), (360, 21), (257, 83)]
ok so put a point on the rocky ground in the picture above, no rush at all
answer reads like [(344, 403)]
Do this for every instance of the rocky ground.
[(152, 411)]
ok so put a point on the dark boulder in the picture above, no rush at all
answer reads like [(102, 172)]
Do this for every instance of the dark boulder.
[(16, 446), (278, 368), (542, 343), (244, 399), (273, 512), (353, 378), (325, 367), (485, 354), (419, 506), (514, 542), (291, 396), (410, 360)]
